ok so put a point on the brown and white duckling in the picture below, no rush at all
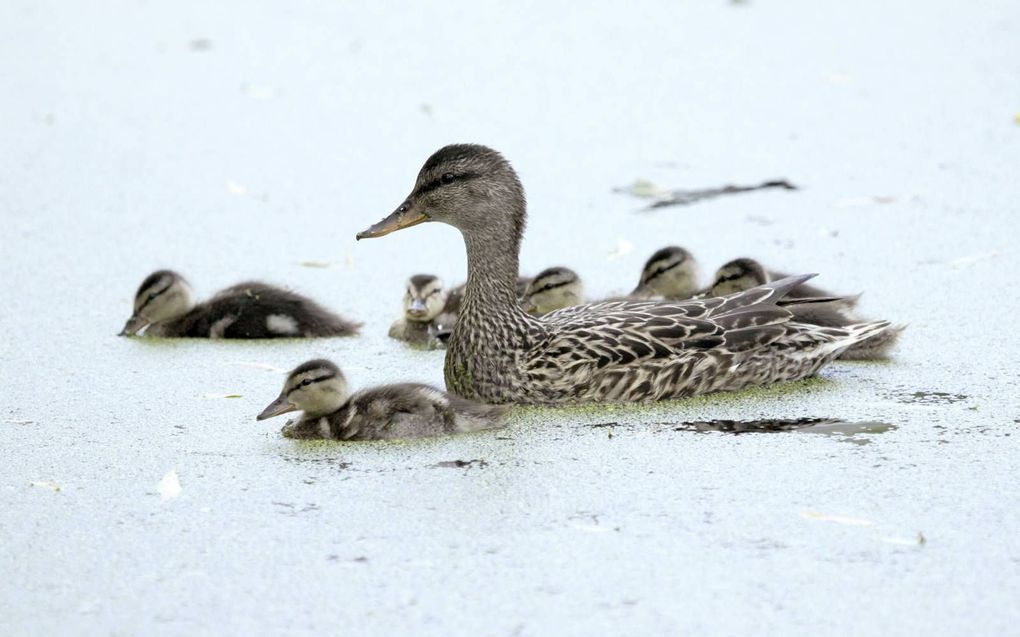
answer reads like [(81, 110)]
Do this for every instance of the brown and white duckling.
[(318, 388), (552, 289), (744, 273), (164, 307), (671, 274), (425, 311)]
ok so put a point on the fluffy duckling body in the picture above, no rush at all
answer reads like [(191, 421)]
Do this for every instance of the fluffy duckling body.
[(617, 351), (552, 289), (671, 274), (318, 388), (164, 307)]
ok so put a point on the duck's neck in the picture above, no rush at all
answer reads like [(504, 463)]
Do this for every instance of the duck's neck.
[(491, 329), (492, 274)]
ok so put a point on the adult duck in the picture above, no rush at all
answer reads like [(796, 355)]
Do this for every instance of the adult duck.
[(615, 351)]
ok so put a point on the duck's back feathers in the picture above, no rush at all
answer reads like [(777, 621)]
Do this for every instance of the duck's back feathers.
[(258, 310), (641, 350)]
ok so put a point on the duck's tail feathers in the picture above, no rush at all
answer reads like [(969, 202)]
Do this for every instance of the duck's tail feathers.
[(874, 347), (857, 333)]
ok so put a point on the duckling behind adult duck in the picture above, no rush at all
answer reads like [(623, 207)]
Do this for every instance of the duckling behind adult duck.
[(425, 314), (744, 273), (318, 388), (552, 289), (671, 273), (164, 307), (611, 351)]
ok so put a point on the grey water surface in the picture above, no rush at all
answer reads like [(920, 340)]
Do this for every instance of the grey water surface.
[(233, 140)]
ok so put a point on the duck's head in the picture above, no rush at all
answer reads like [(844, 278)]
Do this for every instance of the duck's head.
[(670, 273), (163, 295), (738, 275), (468, 186), (317, 388), (424, 298), (552, 289)]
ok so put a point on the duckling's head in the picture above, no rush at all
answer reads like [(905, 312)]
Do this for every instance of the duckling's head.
[(552, 289), (163, 295), (317, 388), (425, 298), (468, 186), (671, 273), (738, 275)]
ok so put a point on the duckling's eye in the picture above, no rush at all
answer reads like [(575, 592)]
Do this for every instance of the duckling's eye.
[(306, 382), (447, 178), (152, 295)]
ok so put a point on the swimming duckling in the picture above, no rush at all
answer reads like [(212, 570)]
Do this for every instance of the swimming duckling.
[(552, 289), (425, 312), (671, 273), (743, 274), (318, 388), (164, 307)]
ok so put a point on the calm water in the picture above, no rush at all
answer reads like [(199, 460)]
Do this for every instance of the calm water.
[(235, 143)]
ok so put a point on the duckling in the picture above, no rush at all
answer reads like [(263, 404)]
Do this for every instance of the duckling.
[(619, 351), (164, 307), (318, 388), (743, 274), (671, 274), (552, 289), (425, 312)]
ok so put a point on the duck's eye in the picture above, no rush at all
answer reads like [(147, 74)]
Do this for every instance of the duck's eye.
[(403, 207), (447, 178), (306, 382), (152, 295)]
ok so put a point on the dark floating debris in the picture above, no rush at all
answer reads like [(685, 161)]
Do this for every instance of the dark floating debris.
[(665, 197), (777, 425), (460, 464), (930, 398)]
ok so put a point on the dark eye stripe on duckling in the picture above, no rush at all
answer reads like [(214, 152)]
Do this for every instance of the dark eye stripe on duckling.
[(553, 286), (151, 296), (318, 379), (657, 272), (731, 277)]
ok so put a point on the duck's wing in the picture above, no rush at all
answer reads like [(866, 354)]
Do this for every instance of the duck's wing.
[(622, 332), (803, 290)]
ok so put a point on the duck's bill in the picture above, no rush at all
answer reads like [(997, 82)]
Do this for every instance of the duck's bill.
[(396, 221), (134, 325), (279, 406), (417, 307)]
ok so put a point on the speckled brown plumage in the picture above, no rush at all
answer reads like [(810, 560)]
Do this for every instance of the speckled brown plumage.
[(617, 351)]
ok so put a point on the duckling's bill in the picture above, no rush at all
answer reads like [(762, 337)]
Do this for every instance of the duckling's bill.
[(281, 405), (134, 325), (403, 217)]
